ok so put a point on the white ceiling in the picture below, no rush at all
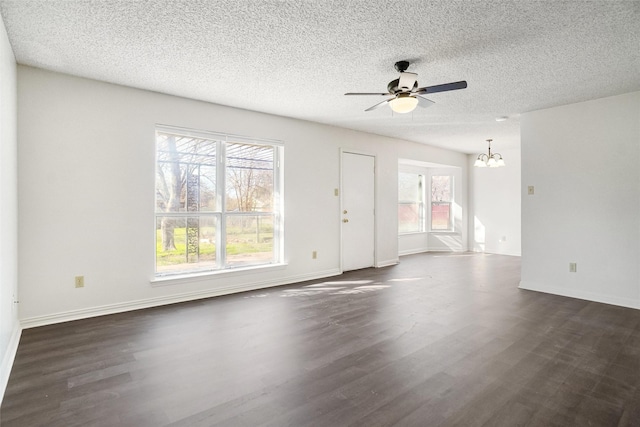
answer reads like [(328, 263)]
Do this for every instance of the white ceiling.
[(297, 58)]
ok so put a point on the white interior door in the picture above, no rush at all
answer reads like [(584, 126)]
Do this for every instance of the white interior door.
[(358, 211)]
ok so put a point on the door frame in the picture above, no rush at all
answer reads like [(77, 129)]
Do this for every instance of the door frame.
[(375, 203)]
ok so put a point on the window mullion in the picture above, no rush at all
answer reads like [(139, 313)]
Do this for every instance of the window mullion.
[(277, 221), (221, 191), (421, 197)]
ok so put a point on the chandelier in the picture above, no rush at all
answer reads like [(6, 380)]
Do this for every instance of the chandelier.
[(489, 160)]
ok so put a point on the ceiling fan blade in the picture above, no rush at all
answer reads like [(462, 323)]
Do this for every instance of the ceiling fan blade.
[(377, 93), (442, 88), (407, 81), (424, 102), (379, 104)]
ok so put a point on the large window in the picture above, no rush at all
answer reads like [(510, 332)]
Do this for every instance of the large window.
[(441, 203), (410, 202), (218, 202)]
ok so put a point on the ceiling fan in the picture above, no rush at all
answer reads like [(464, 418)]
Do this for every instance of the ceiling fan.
[(406, 94)]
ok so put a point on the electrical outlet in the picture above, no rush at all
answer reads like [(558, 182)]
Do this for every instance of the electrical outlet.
[(573, 267), (314, 255), (530, 190), (79, 281)]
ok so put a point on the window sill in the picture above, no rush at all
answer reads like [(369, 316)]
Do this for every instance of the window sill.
[(443, 232), (176, 279)]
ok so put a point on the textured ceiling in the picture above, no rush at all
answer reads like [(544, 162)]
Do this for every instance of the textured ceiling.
[(297, 58)]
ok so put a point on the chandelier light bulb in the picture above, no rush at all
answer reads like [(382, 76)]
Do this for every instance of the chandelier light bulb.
[(480, 163)]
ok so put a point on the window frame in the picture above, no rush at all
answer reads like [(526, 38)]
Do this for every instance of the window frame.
[(222, 140)]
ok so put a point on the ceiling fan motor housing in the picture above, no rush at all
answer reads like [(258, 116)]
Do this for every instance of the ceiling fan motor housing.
[(392, 87)]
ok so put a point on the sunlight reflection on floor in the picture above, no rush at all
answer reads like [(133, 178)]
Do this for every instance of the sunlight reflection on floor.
[(337, 287)]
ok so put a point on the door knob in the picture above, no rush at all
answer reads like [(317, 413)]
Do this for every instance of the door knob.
[(345, 220)]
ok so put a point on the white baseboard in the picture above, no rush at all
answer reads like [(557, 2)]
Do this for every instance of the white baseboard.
[(447, 249), (412, 252), (387, 263), (439, 250), (84, 313), (496, 253), (8, 358), (584, 295)]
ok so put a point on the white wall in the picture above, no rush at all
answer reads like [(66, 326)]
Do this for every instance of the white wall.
[(86, 179), (584, 163), (495, 197), (9, 325)]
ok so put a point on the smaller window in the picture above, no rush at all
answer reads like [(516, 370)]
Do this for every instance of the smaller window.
[(410, 203), (441, 203)]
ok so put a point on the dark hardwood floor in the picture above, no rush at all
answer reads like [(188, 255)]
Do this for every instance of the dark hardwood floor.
[(438, 340)]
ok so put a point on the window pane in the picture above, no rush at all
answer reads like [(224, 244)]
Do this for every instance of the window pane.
[(440, 215), (410, 205), (185, 243), (249, 239), (185, 173), (441, 198), (249, 178), (441, 189), (409, 218)]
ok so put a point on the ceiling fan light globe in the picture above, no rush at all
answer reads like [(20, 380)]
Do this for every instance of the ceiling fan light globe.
[(480, 163), (500, 162), (492, 163), (403, 104)]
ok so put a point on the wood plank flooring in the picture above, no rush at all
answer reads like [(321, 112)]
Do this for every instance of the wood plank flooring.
[(438, 340)]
